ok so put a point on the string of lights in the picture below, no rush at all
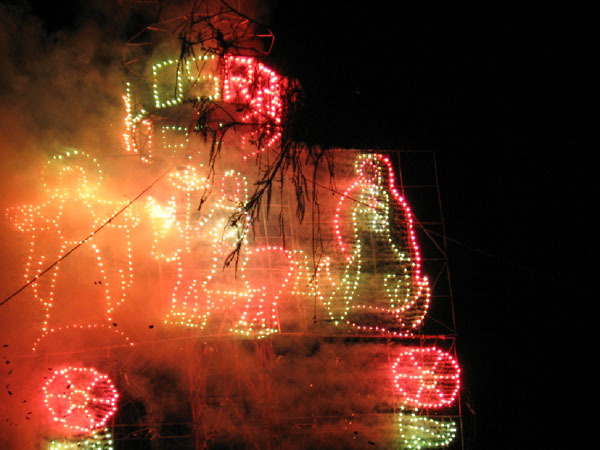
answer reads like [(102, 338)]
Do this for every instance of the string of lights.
[(80, 399), (418, 432), (371, 284), (80, 243), (407, 293)]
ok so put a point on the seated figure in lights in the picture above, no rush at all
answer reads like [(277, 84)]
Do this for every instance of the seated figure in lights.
[(381, 289), (93, 281), (237, 305), (207, 295)]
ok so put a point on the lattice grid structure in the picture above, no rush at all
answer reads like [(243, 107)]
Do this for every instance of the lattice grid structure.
[(345, 344), (309, 380)]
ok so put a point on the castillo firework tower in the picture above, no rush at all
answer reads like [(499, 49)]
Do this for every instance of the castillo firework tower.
[(189, 315)]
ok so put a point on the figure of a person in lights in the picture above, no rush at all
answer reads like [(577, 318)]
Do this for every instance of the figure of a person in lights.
[(228, 288), (94, 281), (381, 288), (198, 246), (178, 240)]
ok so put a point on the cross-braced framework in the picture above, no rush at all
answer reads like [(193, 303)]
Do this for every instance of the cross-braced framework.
[(188, 58), (301, 377), (316, 384), (333, 332)]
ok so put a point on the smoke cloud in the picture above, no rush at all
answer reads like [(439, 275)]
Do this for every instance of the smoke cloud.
[(191, 379)]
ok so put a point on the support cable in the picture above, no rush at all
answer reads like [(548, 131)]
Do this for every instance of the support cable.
[(83, 241)]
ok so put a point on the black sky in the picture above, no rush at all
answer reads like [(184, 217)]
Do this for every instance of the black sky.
[(505, 96)]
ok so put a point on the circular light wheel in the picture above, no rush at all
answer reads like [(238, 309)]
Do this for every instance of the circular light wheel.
[(81, 399), (426, 377)]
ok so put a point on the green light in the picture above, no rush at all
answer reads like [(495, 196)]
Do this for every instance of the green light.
[(417, 432), (99, 439)]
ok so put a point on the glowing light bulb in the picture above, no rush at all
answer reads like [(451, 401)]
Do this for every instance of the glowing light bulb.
[(426, 377), (250, 83), (407, 293), (69, 181), (80, 399)]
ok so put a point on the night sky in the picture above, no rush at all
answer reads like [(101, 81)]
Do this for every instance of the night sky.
[(505, 96)]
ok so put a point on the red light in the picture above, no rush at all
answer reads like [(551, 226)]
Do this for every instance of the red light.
[(79, 398), (426, 377), (248, 82), (407, 293)]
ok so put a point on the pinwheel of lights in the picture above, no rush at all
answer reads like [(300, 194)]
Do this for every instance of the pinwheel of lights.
[(426, 377), (81, 399)]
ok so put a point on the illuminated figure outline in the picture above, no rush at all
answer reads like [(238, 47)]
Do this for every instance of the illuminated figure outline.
[(34, 219), (81, 399), (407, 291)]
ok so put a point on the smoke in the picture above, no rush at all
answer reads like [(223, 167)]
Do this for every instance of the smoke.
[(58, 89), (190, 379)]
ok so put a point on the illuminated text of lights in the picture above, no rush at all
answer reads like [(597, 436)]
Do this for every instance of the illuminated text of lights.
[(407, 291)]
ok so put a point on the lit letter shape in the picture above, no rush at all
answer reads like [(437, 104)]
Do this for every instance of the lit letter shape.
[(250, 83)]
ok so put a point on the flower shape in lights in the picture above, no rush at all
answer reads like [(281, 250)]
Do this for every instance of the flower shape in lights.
[(81, 399), (426, 377)]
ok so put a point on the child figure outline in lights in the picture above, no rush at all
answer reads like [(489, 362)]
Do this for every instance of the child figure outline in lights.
[(72, 179)]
